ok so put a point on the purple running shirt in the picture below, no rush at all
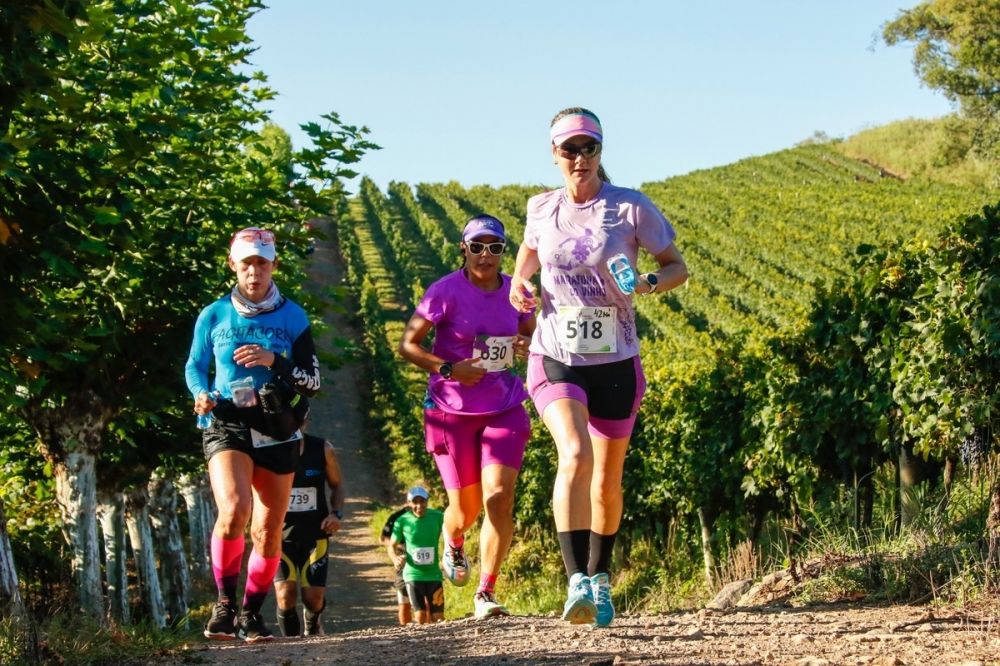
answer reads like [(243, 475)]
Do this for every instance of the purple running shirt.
[(461, 312), (574, 243)]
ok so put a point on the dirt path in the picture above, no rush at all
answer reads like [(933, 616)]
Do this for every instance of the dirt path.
[(358, 592), (849, 634), (361, 625)]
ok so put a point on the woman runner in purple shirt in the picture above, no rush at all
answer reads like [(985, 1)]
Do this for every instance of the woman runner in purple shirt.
[(475, 423), (584, 373)]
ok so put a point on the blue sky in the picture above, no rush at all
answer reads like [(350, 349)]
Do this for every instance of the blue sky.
[(465, 90)]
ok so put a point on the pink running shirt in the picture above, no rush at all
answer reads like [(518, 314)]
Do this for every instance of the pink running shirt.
[(574, 243), (460, 312)]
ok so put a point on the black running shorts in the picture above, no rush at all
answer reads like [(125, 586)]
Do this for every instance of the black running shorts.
[(426, 595), (228, 436), (610, 387)]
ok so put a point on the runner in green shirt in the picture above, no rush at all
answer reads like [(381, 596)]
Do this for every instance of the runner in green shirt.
[(414, 547)]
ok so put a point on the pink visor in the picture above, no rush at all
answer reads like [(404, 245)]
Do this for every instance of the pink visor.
[(573, 125)]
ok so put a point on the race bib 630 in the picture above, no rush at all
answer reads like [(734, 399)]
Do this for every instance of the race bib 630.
[(494, 352)]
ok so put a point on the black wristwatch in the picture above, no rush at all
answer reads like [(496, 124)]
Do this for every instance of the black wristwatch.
[(445, 370), (339, 514), (652, 280)]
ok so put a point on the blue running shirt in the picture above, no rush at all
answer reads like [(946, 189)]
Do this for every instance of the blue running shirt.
[(220, 330)]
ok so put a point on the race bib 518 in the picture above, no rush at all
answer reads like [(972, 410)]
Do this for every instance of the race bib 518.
[(588, 330)]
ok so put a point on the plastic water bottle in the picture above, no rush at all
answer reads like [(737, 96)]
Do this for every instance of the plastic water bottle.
[(205, 420), (622, 272)]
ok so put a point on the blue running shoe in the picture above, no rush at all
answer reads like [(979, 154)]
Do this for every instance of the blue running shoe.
[(601, 587), (580, 608)]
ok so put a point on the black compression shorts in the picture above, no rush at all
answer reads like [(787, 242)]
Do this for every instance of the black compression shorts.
[(303, 562)]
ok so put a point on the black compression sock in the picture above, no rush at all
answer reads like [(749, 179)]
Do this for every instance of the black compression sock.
[(601, 546), (574, 546), (288, 622)]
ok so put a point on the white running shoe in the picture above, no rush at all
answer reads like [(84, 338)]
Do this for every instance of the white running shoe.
[(455, 565), (487, 605)]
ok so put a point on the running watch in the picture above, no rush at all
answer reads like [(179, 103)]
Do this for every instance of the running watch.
[(652, 280), (445, 370)]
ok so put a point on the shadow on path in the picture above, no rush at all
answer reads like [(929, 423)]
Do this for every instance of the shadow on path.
[(359, 593)]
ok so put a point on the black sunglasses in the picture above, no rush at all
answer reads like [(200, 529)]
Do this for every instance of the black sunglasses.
[(476, 247), (588, 150)]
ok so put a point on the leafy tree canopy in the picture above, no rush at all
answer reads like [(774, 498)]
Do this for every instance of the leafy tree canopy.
[(957, 51)]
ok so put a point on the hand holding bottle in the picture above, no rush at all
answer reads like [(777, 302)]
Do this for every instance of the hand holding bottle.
[(203, 406), (623, 273)]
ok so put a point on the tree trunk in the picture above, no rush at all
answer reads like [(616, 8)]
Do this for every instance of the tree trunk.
[(76, 493), (993, 520), (706, 519), (199, 514), (16, 629), (210, 513), (169, 547), (71, 436), (948, 480), (911, 473), (10, 595), (112, 518), (136, 505)]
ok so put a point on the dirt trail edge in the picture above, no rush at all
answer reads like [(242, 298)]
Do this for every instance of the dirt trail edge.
[(360, 617), (359, 582)]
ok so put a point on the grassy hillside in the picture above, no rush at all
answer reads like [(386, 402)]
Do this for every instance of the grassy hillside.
[(935, 149)]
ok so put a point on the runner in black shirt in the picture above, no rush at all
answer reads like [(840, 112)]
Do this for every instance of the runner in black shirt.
[(309, 522), (403, 607)]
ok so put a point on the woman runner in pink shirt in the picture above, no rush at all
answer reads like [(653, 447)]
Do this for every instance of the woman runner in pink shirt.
[(475, 423), (584, 373)]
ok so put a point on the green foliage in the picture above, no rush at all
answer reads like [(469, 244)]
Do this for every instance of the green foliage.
[(273, 150), (840, 584), (957, 52), (947, 371), (75, 640), (657, 580), (126, 164)]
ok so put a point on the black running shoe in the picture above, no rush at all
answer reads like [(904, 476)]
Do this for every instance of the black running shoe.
[(222, 625), (314, 626), (253, 629)]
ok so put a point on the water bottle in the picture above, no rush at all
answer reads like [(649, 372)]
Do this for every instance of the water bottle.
[(205, 420), (622, 272)]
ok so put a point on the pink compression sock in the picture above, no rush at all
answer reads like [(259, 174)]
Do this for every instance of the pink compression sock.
[(260, 575), (487, 582), (227, 557)]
